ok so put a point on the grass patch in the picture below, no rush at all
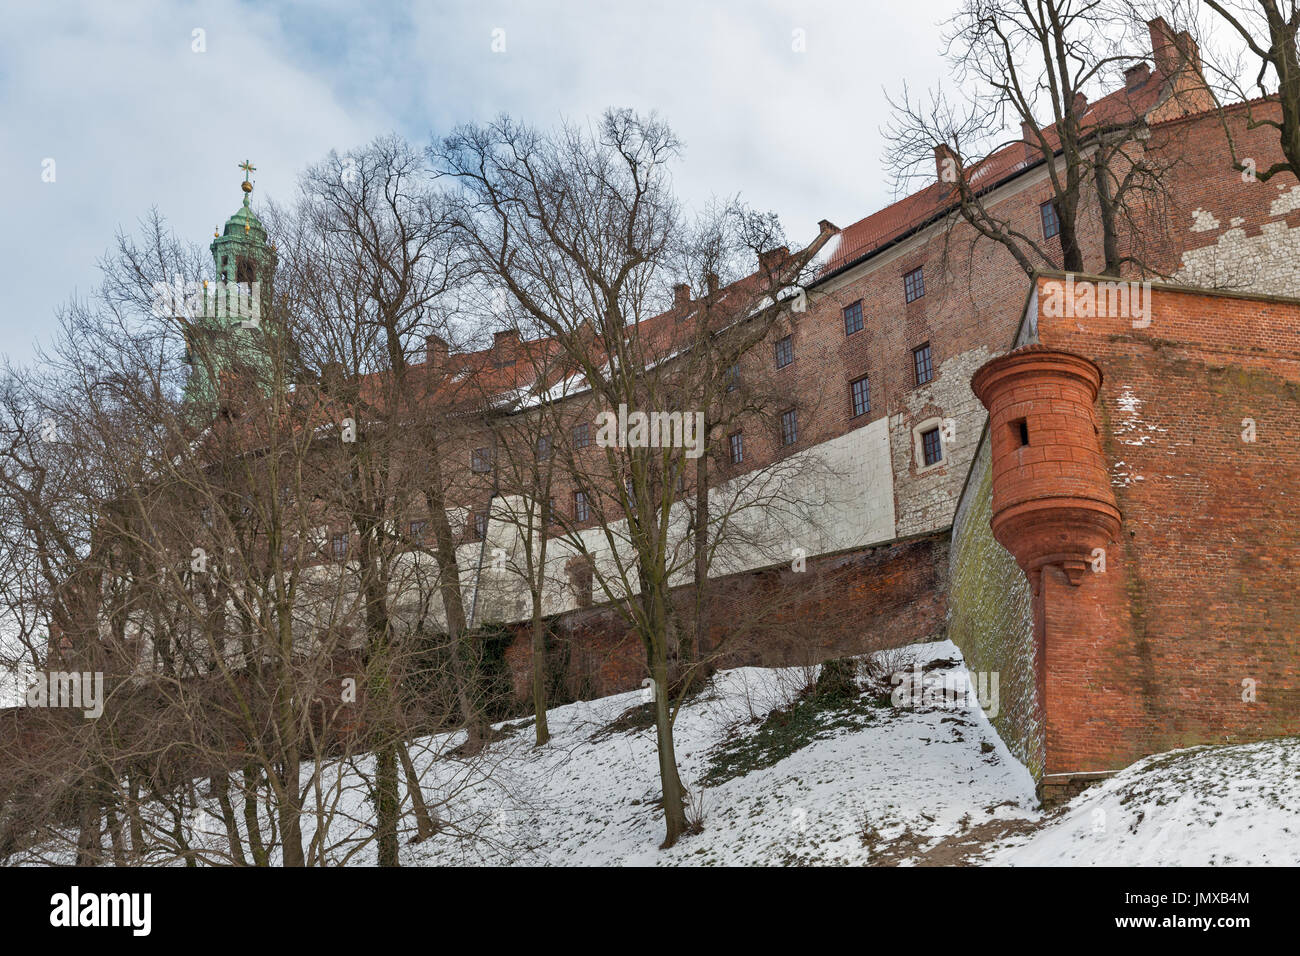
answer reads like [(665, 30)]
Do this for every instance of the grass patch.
[(819, 712)]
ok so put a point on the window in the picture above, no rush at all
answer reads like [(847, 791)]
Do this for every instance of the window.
[(860, 389), (581, 436), (914, 285), (480, 525), (922, 364), (416, 531), (1051, 221), (736, 445), (243, 270), (1020, 432), (931, 447), (481, 460), (733, 378), (552, 516), (543, 447), (339, 546), (789, 427), (581, 510), (785, 351), (853, 318)]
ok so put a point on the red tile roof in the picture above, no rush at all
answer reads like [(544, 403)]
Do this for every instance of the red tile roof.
[(884, 227)]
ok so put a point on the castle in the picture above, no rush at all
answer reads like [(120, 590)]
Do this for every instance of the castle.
[(1089, 486)]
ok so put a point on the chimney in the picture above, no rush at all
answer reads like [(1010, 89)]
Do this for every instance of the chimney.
[(711, 282), (1172, 51), (435, 351), (1079, 105), (681, 295), (505, 347), (773, 259), (947, 165), (1032, 149), (1137, 74)]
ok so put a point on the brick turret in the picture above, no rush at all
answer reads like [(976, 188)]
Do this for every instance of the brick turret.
[(1052, 501)]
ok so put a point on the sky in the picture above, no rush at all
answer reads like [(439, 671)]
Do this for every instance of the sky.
[(109, 110)]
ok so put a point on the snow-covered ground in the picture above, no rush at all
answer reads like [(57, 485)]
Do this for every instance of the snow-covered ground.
[(871, 781), (1205, 806)]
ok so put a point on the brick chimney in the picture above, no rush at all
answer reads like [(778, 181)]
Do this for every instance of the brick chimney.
[(1172, 51), (435, 351), (1137, 74), (1052, 500), (947, 165), (773, 259), (681, 295), (711, 283), (1079, 105), (505, 348)]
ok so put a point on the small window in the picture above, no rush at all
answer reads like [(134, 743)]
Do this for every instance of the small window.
[(733, 377), (922, 364), (543, 447), (785, 351), (789, 427), (480, 525), (416, 532), (1020, 432), (581, 436), (481, 460), (552, 516), (581, 510), (244, 271), (860, 390), (339, 546), (736, 445), (1051, 221), (853, 318), (914, 284), (931, 447)]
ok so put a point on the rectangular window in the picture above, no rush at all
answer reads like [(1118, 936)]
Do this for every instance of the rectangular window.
[(853, 318), (552, 516), (543, 447), (922, 364), (581, 436), (416, 532), (785, 351), (931, 447), (1051, 221), (733, 378), (860, 389), (736, 442), (481, 460), (581, 510), (914, 284), (480, 525), (339, 546), (789, 427)]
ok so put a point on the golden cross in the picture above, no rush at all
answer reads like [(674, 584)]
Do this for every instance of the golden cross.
[(248, 169)]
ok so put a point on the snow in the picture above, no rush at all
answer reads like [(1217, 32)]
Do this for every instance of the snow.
[(1204, 806), (869, 783)]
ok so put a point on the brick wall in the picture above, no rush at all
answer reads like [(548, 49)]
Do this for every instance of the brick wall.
[(1198, 595), (838, 605)]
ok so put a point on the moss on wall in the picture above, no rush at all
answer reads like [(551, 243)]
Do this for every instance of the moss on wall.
[(990, 616)]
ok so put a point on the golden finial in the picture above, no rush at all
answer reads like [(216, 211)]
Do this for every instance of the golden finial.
[(248, 169)]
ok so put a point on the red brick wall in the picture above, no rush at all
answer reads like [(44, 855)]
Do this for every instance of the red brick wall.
[(1199, 591), (839, 605)]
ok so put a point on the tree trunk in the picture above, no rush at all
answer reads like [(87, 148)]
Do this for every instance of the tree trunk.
[(426, 823), (539, 671), (387, 804)]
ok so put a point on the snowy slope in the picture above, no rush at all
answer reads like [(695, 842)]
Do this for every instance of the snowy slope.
[(865, 782), (1204, 806)]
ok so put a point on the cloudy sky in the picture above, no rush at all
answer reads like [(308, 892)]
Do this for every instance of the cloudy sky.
[(136, 109)]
